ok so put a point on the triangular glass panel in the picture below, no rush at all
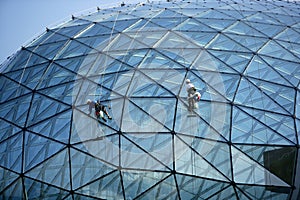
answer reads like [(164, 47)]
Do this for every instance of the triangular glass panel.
[(136, 183), (148, 38), (53, 38), (168, 79), (248, 171), (103, 64), (29, 77), (157, 145), (181, 58), (168, 23), (7, 130), (11, 89), (71, 31), (93, 30), (236, 61), (262, 18), (14, 191), (214, 152), (39, 190), (250, 95), (120, 61), (48, 51), (283, 96), (259, 69), (222, 42), (79, 65), (288, 35), (73, 49), (54, 171), (63, 92), (37, 149), (172, 40), (217, 24), (269, 29), (169, 13), (265, 192), (122, 42), (143, 86), (134, 156), (106, 149), (277, 51), (226, 193), (16, 110), (108, 187), (23, 59), (85, 168), (273, 158), (216, 14), (55, 75), (188, 161), (57, 128), (43, 107), (161, 109), (164, 190), (96, 41), (292, 47), (191, 187), (120, 25), (289, 70), (199, 38), (6, 178), (11, 153), (163, 59), (243, 28), (252, 43), (247, 129), (75, 22)]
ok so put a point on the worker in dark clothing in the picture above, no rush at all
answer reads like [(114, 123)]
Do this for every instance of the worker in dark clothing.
[(100, 109)]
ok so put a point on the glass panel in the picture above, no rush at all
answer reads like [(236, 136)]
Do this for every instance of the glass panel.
[(11, 153), (6, 178), (136, 183), (86, 169), (244, 28), (166, 189), (259, 69), (37, 190), (29, 76), (54, 171), (191, 187), (43, 107), (277, 51), (248, 171), (55, 75), (11, 89), (37, 149), (72, 49), (16, 110), (246, 129), (56, 128), (221, 42), (14, 191), (250, 95), (108, 187), (198, 165)]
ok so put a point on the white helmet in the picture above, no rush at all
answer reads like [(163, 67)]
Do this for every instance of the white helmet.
[(88, 101), (187, 81)]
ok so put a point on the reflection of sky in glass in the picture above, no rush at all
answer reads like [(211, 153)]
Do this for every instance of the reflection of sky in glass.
[(135, 59)]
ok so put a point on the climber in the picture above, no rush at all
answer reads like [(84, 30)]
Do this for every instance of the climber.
[(191, 90), (100, 109)]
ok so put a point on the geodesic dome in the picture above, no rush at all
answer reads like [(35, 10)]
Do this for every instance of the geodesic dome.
[(241, 142)]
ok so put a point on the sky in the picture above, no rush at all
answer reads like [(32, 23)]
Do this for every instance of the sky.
[(23, 20)]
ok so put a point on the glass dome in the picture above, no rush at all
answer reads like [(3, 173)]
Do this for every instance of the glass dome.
[(241, 141)]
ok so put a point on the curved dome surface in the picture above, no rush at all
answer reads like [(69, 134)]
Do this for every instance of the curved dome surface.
[(241, 142)]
